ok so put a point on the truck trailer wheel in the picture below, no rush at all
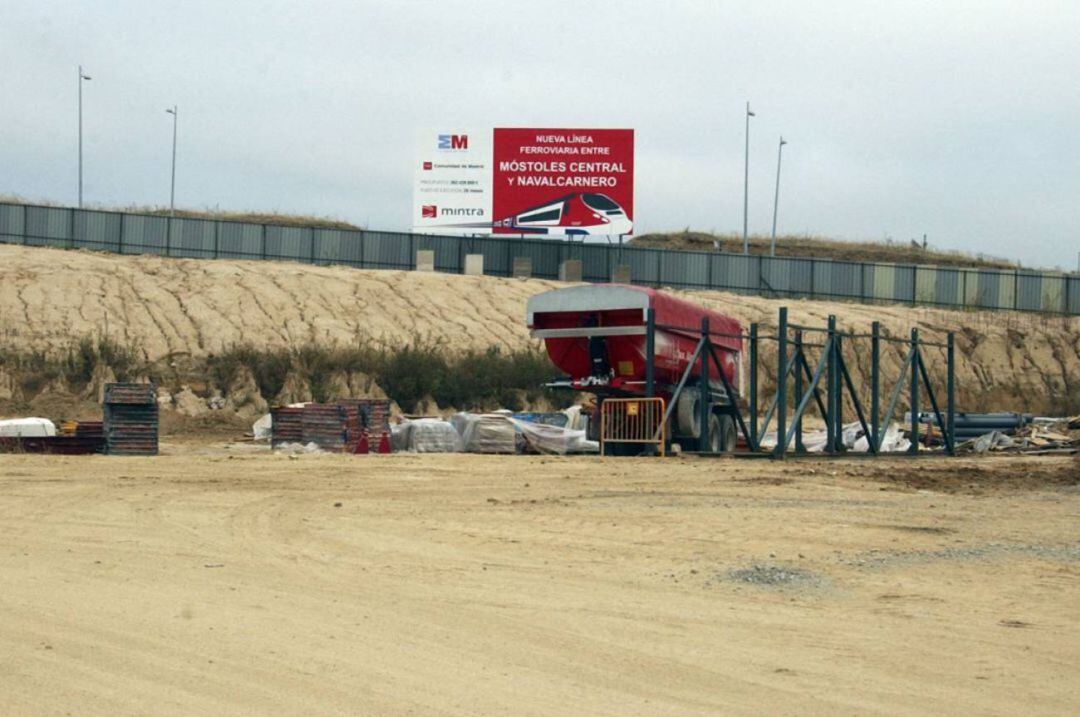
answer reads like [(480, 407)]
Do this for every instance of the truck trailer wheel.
[(715, 444), (728, 435), (688, 413)]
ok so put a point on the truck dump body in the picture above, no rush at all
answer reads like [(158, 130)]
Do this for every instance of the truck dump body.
[(597, 335)]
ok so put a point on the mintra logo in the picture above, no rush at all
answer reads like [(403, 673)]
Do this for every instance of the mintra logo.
[(429, 211), (453, 141)]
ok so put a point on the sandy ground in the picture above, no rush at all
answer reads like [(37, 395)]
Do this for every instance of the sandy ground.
[(215, 580), (176, 307)]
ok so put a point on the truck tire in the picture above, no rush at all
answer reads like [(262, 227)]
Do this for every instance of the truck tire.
[(715, 442), (688, 413), (728, 434)]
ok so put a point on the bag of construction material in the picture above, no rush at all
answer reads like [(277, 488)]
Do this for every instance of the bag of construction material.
[(487, 432), (399, 436), (433, 435), (543, 438)]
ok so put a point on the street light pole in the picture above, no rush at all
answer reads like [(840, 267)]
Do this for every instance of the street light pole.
[(746, 184), (172, 187), (80, 81), (776, 196)]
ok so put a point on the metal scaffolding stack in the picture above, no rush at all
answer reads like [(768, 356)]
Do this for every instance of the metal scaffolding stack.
[(131, 419)]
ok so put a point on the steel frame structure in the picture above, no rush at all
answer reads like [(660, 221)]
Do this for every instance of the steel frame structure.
[(819, 384)]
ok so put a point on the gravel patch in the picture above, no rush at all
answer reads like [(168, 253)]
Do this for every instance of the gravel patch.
[(775, 576), (885, 559)]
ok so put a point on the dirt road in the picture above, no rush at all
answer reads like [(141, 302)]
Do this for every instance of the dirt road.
[(217, 580)]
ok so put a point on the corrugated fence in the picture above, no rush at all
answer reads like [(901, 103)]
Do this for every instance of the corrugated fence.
[(956, 287)]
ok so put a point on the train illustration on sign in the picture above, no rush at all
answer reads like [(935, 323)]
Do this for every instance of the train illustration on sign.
[(578, 214)]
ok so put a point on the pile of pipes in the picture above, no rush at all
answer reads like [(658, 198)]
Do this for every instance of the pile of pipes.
[(1012, 432)]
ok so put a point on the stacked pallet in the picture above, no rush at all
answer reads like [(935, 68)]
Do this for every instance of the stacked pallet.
[(286, 425), (374, 414), (327, 426), (131, 419)]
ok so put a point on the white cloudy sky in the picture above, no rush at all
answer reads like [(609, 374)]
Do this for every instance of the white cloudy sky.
[(960, 120)]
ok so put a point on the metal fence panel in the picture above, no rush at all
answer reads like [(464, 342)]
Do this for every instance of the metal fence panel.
[(240, 241), (688, 270), (144, 234), (882, 285), (288, 243), (96, 230), (48, 226), (12, 224), (770, 276), (1028, 292), (192, 238), (387, 250), (783, 276), (904, 287), (989, 289), (947, 288), (448, 251), (644, 265), (837, 279), (595, 265), (734, 272), (496, 253), (545, 263), (1053, 293)]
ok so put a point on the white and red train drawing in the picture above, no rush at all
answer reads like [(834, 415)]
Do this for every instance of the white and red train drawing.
[(577, 214)]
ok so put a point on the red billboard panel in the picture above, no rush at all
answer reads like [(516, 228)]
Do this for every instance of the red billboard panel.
[(563, 181)]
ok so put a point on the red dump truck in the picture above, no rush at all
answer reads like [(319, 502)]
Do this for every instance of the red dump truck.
[(597, 334)]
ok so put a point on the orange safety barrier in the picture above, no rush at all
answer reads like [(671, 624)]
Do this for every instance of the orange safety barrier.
[(633, 420)]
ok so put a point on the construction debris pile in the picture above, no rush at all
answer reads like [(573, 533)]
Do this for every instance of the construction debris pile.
[(1042, 437)]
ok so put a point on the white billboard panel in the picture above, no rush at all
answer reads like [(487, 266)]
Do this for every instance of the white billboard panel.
[(452, 182)]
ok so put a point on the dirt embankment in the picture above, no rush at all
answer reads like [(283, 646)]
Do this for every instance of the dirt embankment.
[(188, 308)]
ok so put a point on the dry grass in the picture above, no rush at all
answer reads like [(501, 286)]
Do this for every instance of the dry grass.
[(289, 220), (821, 248)]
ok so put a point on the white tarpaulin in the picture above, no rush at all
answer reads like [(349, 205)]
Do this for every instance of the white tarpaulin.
[(852, 437), (500, 432), (427, 435), (27, 428)]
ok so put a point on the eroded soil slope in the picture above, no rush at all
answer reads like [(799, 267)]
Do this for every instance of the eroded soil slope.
[(1007, 361)]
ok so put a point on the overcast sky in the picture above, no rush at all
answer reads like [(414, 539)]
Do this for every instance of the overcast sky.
[(960, 120)]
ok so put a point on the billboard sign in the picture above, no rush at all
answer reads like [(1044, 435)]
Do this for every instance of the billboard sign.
[(522, 181)]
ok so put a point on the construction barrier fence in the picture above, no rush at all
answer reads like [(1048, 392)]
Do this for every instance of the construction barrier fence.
[(633, 420), (916, 285)]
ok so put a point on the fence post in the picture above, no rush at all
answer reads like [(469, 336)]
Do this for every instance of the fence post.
[(875, 381), (798, 358), (650, 351), (262, 249), (217, 240), (914, 391), (753, 386), (703, 386), (781, 384), (71, 230), (831, 388), (950, 390)]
